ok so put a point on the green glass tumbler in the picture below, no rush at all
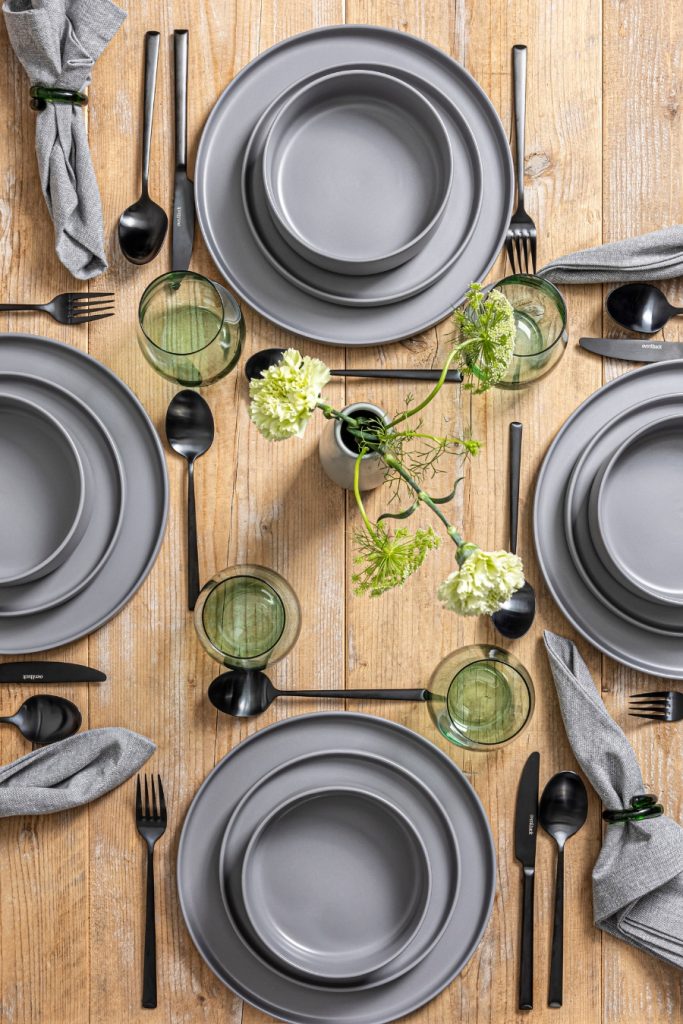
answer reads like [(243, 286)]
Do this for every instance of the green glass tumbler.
[(481, 697), (190, 329), (541, 322), (247, 617)]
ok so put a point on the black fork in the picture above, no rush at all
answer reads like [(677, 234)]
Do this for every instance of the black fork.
[(659, 705), (70, 308), (151, 822)]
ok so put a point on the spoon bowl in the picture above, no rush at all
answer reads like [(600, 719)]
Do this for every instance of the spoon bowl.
[(515, 617), (46, 719), (640, 307), (142, 230)]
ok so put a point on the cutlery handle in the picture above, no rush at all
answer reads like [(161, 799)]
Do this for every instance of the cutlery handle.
[(556, 956), (180, 47), (421, 695), (149, 974), (519, 88), (515, 469), (452, 376), (151, 61), (526, 960), (10, 307), (192, 553)]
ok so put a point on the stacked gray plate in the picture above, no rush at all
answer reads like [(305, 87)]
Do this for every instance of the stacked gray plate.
[(607, 516), (117, 528), (283, 199), (354, 885)]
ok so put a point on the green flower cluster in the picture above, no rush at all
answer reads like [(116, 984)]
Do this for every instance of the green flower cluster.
[(389, 559), (285, 396), (486, 327), (483, 583)]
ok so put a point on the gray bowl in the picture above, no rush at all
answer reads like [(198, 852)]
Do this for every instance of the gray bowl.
[(357, 169), (42, 492)]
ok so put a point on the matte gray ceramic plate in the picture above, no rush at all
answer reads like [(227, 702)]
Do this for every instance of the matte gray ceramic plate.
[(638, 609), (643, 484), (213, 932), (352, 768), (336, 882), (640, 648), (431, 263), (357, 169), (42, 491), (104, 491), (224, 223), (145, 507)]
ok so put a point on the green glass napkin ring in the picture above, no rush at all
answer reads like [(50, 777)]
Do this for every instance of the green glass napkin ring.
[(643, 806), (41, 95)]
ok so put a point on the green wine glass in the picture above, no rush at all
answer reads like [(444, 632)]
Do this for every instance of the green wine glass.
[(541, 335)]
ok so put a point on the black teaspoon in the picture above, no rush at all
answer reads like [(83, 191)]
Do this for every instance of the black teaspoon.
[(562, 812), (46, 719), (515, 617), (640, 307), (261, 361), (190, 430)]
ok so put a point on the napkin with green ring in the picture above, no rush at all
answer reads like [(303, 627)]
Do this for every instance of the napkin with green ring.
[(656, 256), (638, 876)]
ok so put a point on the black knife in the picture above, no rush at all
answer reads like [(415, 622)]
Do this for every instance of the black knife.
[(526, 825), (48, 672), (633, 349), (183, 195)]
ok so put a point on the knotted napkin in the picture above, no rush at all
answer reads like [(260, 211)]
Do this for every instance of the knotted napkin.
[(652, 257), (638, 876), (58, 42), (71, 772)]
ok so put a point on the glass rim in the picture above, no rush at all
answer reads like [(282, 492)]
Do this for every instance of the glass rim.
[(556, 294), (265, 583), (180, 274), (520, 671)]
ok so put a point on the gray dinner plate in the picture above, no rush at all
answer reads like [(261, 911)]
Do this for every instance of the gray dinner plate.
[(354, 768), (642, 484), (104, 491), (214, 933), (638, 609), (42, 491), (144, 469), (622, 639), (223, 220), (336, 882), (451, 235)]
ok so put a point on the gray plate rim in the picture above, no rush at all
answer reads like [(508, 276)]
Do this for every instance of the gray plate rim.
[(416, 918), (418, 990), (250, 172), (365, 326)]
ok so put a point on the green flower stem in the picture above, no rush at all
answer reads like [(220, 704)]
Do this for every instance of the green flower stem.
[(430, 397), (352, 423), (356, 492), (423, 497)]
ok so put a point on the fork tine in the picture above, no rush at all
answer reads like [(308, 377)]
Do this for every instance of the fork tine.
[(162, 800), (155, 813), (526, 245), (510, 252), (76, 296), (88, 319), (654, 718), (533, 253), (518, 249), (138, 799), (651, 693), (92, 307), (106, 300), (146, 799), (648, 707)]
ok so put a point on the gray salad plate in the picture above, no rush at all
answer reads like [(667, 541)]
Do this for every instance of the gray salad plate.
[(336, 882), (386, 779), (213, 932), (224, 222), (144, 519), (622, 638), (104, 489), (450, 237)]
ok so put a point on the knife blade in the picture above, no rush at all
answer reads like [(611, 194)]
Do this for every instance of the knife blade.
[(48, 672), (634, 350), (526, 827), (183, 193)]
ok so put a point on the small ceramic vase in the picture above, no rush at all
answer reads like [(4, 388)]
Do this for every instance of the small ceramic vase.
[(338, 457)]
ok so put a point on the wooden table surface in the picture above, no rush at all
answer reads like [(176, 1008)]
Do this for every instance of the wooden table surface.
[(603, 152)]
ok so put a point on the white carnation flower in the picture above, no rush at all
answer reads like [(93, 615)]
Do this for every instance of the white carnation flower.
[(483, 583), (284, 397)]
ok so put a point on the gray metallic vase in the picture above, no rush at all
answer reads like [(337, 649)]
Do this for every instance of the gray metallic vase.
[(339, 460)]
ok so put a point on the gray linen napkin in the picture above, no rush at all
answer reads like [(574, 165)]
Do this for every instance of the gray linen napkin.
[(58, 42), (71, 772), (652, 257), (638, 876)]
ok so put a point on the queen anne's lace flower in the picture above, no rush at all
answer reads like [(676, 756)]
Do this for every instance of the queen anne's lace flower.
[(487, 332), (389, 559), (483, 583), (285, 396)]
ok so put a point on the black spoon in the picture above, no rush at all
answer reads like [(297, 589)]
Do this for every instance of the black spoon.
[(515, 617), (247, 692), (189, 429), (640, 307), (562, 812), (261, 361), (143, 226), (46, 719)]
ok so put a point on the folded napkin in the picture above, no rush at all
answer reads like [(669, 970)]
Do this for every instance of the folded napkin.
[(652, 257), (638, 876), (71, 772), (58, 42)]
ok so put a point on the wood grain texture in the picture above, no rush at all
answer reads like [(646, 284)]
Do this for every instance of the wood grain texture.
[(603, 147)]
